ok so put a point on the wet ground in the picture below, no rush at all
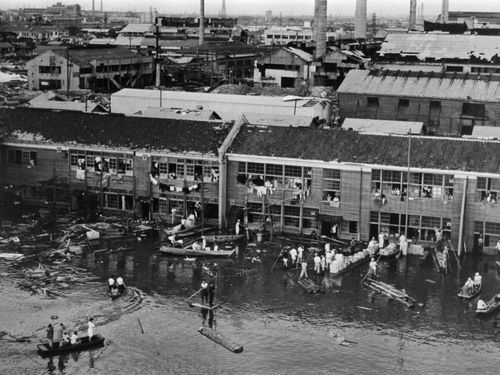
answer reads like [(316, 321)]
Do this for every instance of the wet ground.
[(283, 329)]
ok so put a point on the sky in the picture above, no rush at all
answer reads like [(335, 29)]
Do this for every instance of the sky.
[(251, 7)]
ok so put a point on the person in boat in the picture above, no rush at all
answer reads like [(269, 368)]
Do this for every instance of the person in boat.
[(196, 246), (293, 256), (300, 254), (66, 339), (317, 263), (477, 280), (73, 340), (445, 257), (373, 268), (468, 286), (120, 284), (481, 305), (58, 335), (111, 283), (203, 242), (50, 335), (204, 291), (373, 246), (237, 227), (211, 294), (284, 255), (90, 329)]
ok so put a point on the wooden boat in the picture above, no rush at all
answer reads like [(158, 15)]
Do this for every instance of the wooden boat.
[(307, 284), (195, 304), (350, 266), (224, 238), (195, 253), (45, 350), (11, 256), (115, 293), (491, 305), (389, 252), (219, 339), (475, 292), (390, 291)]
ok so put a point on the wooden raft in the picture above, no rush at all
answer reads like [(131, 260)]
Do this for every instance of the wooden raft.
[(390, 291), (219, 339)]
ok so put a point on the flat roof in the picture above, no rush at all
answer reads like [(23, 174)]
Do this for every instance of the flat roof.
[(369, 126)]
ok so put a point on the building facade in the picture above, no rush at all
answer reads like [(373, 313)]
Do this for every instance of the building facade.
[(447, 103), (102, 69)]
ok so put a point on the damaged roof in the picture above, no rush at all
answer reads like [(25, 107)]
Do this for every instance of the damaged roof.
[(338, 145), (114, 131), (429, 85), (437, 47)]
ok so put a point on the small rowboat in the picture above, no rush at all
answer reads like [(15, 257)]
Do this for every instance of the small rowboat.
[(219, 339), (224, 238), (309, 285), (45, 350), (463, 294), (491, 305), (116, 293), (195, 253)]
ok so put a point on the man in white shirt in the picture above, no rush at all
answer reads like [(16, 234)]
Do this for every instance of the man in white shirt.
[(111, 283), (120, 284)]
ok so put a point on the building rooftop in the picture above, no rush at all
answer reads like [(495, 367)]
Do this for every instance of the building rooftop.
[(454, 86), (436, 47), (277, 120), (115, 131), (342, 146)]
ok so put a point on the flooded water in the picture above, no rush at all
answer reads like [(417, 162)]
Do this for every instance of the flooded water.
[(283, 329)]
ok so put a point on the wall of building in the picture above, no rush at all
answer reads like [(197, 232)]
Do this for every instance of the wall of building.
[(55, 68), (448, 120)]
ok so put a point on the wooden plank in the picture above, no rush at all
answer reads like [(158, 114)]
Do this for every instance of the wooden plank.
[(220, 339), (195, 304)]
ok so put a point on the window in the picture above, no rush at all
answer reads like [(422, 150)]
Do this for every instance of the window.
[(22, 157), (372, 101), (454, 68), (403, 103), (291, 216), (473, 110), (255, 168), (49, 69), (487, 190), (331, 185)]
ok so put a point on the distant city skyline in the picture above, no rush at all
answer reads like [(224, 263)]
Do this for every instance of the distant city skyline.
[(259, 7)]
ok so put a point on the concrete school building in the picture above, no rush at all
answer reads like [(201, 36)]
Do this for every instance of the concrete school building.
[(295, 179), (125, 164)]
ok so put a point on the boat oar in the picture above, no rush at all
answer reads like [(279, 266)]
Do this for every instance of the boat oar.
[(281, 251), (370, 270), (193, 295)]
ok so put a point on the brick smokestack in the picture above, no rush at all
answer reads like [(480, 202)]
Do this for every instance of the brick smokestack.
[(360, 20), (315, 21), (413, 14), (321, 34), (444, 11), (202, 22)]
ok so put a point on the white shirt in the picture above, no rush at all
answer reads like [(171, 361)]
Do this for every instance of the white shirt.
[(481, 305), (477, 279), (90, 330), (293, 253), (317, 259), (373, 265), (119, 281), (111, 281), (73, 339), (204, 285)]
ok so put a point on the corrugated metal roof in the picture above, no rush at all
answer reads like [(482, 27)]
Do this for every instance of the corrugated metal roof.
[(300, 53), (370, 126), (84, 57), (352, 147), (486, 132), (138, 28), (442, 46), (176, 113), (135, 133), (422, 85)]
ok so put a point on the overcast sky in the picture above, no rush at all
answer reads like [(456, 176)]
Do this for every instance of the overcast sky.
[(286, 7)]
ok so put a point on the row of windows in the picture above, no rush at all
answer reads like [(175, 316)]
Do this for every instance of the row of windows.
[(489, 232), (102, 162), (22, 157), (189, 169)]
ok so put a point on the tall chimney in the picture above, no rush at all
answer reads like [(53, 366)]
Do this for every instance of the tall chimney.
[(93, 11), (223, 13), (202, 22), (321, 33), (315, 21), (413, 14), (360, 20), (101, 6), (444, 11)]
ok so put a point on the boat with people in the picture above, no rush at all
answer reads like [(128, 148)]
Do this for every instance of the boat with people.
[(170, 250), (116, 293), (45, 350), (390, 251), (220, 339), (469, 293), (492, 305)]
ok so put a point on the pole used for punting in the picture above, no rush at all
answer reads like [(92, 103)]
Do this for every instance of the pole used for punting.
[(193, 295)]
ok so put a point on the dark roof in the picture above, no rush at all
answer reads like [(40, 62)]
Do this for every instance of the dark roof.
[(85, 56), (68, 127), (222, 48), (351, 147)]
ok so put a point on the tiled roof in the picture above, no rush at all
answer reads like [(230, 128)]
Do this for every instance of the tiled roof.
[(135, 133), (442, 46), (451, 86), (352, 147)]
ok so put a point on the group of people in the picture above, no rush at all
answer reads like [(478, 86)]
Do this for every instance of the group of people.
[(57, 336), (116, 286), (472, 285)]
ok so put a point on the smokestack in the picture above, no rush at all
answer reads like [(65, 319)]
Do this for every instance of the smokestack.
[(101, 6), (321, 36), (223, 13), (315, 20), (360, 20), (93, 11), (444, 11), (202, 22), (413, 14)]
